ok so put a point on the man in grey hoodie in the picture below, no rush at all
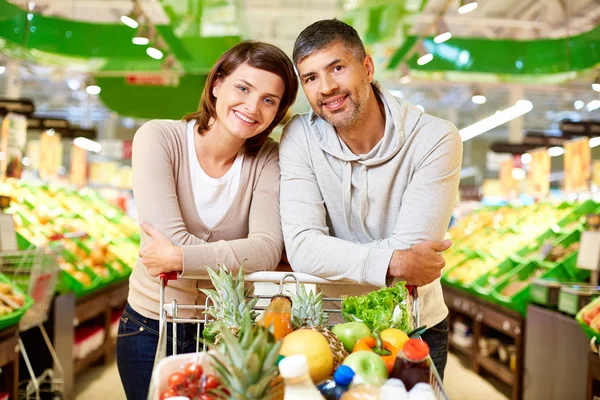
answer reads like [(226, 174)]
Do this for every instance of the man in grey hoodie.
[(368, 184)]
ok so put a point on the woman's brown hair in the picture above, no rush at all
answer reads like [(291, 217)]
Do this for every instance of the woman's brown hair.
[(258, 55)]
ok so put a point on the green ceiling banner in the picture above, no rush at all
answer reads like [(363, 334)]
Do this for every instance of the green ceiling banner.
[(164, 102), (511, 57)]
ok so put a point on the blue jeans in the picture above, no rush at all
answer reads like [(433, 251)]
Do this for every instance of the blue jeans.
[(136, 347), (437, 339)]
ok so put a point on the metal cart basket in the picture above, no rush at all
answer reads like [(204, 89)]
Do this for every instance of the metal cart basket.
[(169, 313), (35, 271)]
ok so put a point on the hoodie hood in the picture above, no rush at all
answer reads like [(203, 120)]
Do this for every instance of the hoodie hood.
[(401, 118)]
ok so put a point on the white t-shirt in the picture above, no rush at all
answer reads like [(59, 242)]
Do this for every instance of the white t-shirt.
[(213, 197)]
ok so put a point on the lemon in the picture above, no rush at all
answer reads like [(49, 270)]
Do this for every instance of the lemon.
[(315, 347), (395, 337)]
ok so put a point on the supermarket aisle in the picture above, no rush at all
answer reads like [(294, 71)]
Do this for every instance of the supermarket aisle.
[(102, 383)]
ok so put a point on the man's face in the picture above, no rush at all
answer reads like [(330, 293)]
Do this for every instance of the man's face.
[(336, 84)]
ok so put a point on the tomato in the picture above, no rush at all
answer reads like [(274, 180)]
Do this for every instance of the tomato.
[(206, 396), (176, 381), (192, 389), (210, 382), (193, 371), (167, 394)]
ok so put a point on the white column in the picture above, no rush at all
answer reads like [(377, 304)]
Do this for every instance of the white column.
[(516, 126), (13, 79)]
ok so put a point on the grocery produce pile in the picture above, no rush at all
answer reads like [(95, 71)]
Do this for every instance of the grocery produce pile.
[(245, 349), (589, 319), (44, 214), (13, 303), (499, 251)]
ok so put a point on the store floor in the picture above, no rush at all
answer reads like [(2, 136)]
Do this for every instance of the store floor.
[(460, 383)]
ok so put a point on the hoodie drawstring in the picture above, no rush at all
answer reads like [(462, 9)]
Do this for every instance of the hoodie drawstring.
[(347, 188), (364, 200)]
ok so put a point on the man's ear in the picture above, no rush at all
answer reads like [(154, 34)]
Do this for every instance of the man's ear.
[(369, 66)]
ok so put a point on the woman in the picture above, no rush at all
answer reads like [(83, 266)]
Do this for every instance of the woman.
[(207, 193)]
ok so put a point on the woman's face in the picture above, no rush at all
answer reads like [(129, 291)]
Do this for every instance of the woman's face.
[(247, 100)]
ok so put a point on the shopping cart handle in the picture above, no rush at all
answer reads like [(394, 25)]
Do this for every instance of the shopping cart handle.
[(412, 290), (169, 276)]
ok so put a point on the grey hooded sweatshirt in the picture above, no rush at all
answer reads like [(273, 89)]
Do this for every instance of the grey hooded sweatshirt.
[(344, 214)]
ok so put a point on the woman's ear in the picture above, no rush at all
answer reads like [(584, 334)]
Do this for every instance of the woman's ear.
[(215, 89)]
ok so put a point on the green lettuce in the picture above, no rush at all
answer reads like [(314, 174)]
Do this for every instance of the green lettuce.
[(380, 310)]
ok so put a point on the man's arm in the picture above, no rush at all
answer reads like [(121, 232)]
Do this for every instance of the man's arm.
[(310, 249)]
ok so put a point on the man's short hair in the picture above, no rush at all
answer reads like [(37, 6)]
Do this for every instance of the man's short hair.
[(322, 34)]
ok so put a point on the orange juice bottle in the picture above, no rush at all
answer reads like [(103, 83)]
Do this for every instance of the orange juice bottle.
[(279, 314)]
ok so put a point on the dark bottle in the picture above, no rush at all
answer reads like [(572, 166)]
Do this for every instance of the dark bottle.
[(413, 364), (332, 389)]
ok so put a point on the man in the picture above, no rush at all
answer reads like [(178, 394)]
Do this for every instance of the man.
[(368, 184)]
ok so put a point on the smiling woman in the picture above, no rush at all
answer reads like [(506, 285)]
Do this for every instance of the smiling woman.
[(207, 193)]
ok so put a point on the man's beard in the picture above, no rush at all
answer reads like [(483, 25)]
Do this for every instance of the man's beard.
[(351, 114)]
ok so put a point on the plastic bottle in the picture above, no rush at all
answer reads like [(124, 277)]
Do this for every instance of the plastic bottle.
[(360, 390), (279, 314), (412, 364), (298, 384), (421, 391), (393, 389), (332, 389)]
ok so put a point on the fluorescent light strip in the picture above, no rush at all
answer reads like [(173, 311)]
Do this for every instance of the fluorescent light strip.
[(140, 41), (522, 107), (426, 59), (154, 53), (130, 22), (593, 105), (443, 37), (556, 151), (93, 90), (87, 144), (594, 142), (467, 8)]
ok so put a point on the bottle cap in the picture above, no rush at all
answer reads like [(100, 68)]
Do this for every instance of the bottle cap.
[(415, 349), (293, 366), (343, 375)]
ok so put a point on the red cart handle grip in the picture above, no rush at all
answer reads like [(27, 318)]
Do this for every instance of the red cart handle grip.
[(412, 289), (169, 276)]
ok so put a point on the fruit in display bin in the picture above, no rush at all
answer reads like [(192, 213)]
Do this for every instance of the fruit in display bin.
[(77, 274), (307, 312), (9, 300)]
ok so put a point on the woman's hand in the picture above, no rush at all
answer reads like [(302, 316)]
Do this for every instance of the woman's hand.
[(160, 255)]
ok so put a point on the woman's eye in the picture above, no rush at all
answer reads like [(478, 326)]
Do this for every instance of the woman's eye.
[(269, 101), (242, 88)]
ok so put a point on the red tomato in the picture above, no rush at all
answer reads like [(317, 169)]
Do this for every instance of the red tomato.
[(210, 382), (206, 396), (167, 394), (193, 371), (192, 389), (176, 381)]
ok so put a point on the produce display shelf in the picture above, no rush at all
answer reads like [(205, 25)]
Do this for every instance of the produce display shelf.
[(9, 361), (498, 369), (460, 348)]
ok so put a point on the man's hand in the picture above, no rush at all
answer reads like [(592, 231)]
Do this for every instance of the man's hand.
[(160, 255), (421, 264)]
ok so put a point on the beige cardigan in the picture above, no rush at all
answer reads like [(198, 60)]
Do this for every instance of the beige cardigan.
[(249, 232)]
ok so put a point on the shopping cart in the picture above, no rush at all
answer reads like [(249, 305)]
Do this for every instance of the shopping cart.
[(169, 312), (35, 271)]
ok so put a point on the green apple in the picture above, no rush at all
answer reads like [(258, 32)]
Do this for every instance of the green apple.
[(369, 366), (350, 333)]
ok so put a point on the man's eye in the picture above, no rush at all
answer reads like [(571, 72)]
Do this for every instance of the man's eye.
[(310, 79), (338, 68)]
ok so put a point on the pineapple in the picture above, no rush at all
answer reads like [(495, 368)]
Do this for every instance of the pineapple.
[(229, 303), (247, 364), (307, 311)]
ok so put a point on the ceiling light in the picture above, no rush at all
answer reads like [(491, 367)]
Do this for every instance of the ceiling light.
[(443, 32), (93, 90), (154, 53), (556, 151), (501, 117), (478, 99), (73, 84), (142, 36), (425, 57), (579, 104), (2, 69), (130, 22), (596, 86), (594, 142), (87, 144), (526, 158), (593, 105), (467, 6)]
